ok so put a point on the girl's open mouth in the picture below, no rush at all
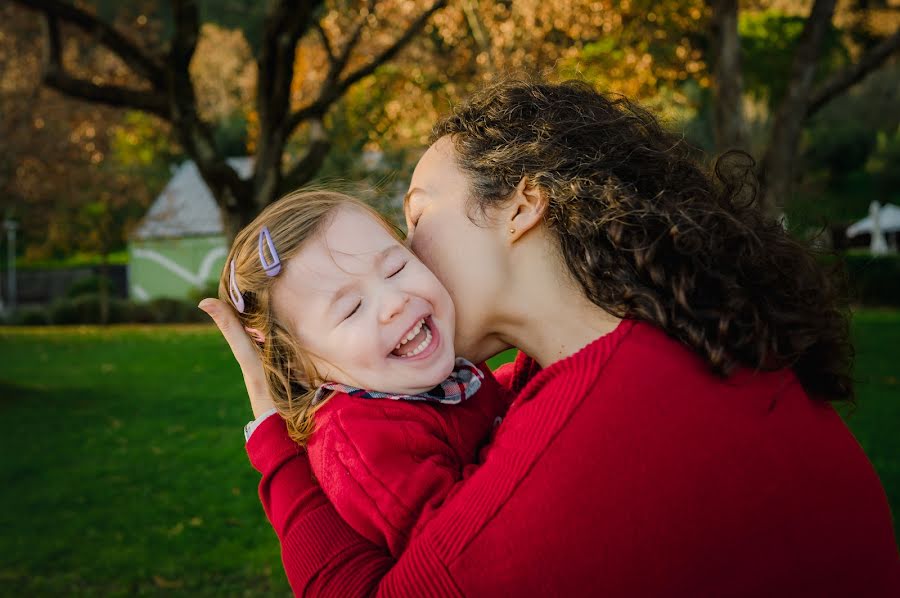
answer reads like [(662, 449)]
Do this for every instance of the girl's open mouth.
[(421, 341)]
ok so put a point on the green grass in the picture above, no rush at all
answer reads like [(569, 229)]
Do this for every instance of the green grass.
[(875, 420), (123, 468)]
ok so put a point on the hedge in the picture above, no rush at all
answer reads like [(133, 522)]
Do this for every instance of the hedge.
[(872, 280), (85, 309)]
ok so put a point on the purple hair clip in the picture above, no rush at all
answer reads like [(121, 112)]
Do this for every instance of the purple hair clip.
[(274, 267), (234, 292)]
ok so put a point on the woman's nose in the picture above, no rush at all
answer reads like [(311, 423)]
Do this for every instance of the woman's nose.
[(393, 303)]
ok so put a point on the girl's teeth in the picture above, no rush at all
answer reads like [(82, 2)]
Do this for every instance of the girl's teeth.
[(412, 334), (422, 346)]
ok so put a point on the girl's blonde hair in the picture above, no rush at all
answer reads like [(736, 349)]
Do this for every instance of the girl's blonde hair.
[(292, 221)]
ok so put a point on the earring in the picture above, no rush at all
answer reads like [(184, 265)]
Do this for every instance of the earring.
[(512, 231)]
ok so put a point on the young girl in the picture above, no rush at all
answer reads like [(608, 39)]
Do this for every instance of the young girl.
[(356, 336)]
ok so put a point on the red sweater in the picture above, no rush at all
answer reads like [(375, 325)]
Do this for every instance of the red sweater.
[(626, 469), (386, 465)]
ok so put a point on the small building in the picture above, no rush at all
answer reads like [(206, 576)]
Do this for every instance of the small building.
[(180, 246)]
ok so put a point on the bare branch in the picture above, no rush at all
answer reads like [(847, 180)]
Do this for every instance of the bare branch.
[(391, 51), (111, 95), (307, 166), (326, 43), (841, 81), (336, 66), (136, 58), (331, 92), (56, 77)]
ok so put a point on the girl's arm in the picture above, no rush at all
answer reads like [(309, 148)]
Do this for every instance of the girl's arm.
[(387, 465), (312, 535), (322, 555)]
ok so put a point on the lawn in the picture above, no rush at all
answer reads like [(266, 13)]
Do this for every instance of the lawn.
[(124, 471)]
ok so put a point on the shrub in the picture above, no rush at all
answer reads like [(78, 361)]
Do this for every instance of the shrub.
[(209, 290), (871, 280), (89, 285), (30, 316), (170, 310), (85, 309), (141, 312), (874, 280)]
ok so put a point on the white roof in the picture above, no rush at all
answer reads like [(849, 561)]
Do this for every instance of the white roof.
[(186, 206), (888, 220)]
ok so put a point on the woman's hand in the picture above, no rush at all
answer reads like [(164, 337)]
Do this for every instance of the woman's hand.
[(244, 352)]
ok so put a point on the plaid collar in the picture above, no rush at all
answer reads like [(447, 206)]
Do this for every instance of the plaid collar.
[(463, 382)]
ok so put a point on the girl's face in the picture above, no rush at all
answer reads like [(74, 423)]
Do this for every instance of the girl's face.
[(353, 294), (469, 258)]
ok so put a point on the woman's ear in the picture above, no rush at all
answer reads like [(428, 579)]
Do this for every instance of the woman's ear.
[(526, 210), (255, 334)]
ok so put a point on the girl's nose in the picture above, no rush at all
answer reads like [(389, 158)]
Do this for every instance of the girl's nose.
[(393, 303)]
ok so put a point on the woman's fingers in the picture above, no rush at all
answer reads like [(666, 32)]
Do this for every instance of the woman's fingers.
[(242, 347)]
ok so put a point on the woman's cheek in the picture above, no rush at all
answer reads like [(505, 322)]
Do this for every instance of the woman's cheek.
[(423, 246)]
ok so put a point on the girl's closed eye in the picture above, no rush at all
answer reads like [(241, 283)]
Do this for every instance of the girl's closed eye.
[(397, 269), (355, 309)]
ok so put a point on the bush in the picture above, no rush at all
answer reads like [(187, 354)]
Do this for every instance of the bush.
[(871, 280), (210, 290), (170, 310), (89, 285), (874, 280), (85, 309), (30, 316), (140, 312)]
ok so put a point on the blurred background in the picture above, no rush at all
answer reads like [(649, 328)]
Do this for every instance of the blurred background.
[(137, 137)]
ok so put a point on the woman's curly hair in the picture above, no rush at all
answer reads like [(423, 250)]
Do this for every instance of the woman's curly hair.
[(648, 234)]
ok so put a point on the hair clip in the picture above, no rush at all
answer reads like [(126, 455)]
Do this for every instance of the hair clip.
[(234, 292), (274, 267)]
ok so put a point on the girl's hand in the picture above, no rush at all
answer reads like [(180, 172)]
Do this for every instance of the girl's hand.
[(242, 347)]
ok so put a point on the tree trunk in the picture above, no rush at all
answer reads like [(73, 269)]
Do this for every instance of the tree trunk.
[(730, 125), (776, 171)]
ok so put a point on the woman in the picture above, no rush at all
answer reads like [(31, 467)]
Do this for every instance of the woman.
[(671, 433)]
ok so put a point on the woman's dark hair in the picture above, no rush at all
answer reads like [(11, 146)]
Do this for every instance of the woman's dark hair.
[(648, 234)]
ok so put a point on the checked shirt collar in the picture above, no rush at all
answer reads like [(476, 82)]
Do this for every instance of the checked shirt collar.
[(463, 382)]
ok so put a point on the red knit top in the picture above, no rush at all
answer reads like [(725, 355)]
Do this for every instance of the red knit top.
[(626, 469), (386, 465)]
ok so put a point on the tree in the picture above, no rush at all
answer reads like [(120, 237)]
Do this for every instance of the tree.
[(802, 96), (167, 90), (57, 155)]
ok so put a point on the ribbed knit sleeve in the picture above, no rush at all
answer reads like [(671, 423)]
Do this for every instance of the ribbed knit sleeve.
[(322, 555)]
